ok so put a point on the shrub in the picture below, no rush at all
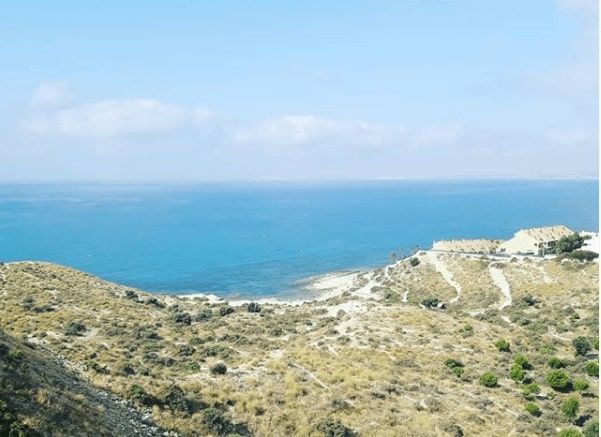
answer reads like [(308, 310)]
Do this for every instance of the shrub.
[(569, 432), (414, 262), (528, 300), (522, 361), (558, 379), (216, 421), (591, 430), (595, 343), (253, 307), (15, 354), (581, 345), (556, 363), (503, 345), (219, 369), (569, 244), (488, 379), (517, 373), (137, 393), (581, 255), (452, 363), (180, 318), (224, 311), (531, 389), (203, 314), (592, 368), (533, 409), (176, 400), (458, 371), (74, 328), (570, 407), (431, 302), (130, 294), (334, 428), (580, 384)]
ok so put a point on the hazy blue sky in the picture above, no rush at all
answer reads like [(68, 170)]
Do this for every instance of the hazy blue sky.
[(182, 90)]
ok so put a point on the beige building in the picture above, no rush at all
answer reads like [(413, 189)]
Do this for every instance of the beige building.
[(534, 241)]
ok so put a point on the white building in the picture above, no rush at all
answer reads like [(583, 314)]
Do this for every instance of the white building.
[(535, 241)]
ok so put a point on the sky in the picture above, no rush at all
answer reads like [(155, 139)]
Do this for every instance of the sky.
[(264, 90)]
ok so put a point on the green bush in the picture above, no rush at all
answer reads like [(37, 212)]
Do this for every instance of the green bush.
[(569, 244), (431, 302), (581, 345), (451, 363), (569, 408), (556, 363), (517, 373), (219, 369), (503, 345), (458, 371), (522, 361), (488, 379), (592, 368), (203, 314), (414, 262), (531, 389), (580, 384), (595, 343), (180, 318), (334, 428), (15, 354), (533, 409), (569, 432), (558, 379), (581, 255), (591, 430)]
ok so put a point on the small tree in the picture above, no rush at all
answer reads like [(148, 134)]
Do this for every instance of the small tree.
[(488, 379), (569, 243), (570, 407)]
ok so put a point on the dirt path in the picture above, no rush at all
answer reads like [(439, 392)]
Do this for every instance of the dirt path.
[(442, 268), (499, 280)]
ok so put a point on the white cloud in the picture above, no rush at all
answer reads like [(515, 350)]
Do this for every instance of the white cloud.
[(306, 130), (50, 95), (114, 118)]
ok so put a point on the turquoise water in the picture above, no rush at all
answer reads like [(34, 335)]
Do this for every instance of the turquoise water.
[(260, 239)]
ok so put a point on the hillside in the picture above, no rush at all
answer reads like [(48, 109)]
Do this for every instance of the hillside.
[(400, 350)]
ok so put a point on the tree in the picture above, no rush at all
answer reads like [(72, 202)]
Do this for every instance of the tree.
[(581, 345), (558, 379), (569, 244), (570, 407)]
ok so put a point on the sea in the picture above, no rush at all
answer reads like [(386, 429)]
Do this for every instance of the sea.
[(265, 239)]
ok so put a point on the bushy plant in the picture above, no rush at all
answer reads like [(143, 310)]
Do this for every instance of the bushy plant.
[(592, 368), (533, 409), (569, 243), (517, 373), (414, 262), (74, 328), (219, 369), (556, 363), (488, 379), (581, 255), (581, 345), (334, 428), (591, 430), (569, 408), (451, 363), (569, 432), (216, 421), (203, 314), (580, 384), (181, 318), (224, 311), (522, 361), (253, 307), (558, 379), (531, 389), (503, 345), (431, 302)]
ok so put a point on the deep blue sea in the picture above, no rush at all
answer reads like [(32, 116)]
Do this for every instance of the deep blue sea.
[(261, 239)]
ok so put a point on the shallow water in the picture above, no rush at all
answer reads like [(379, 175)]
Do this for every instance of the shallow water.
[(260, 239)]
